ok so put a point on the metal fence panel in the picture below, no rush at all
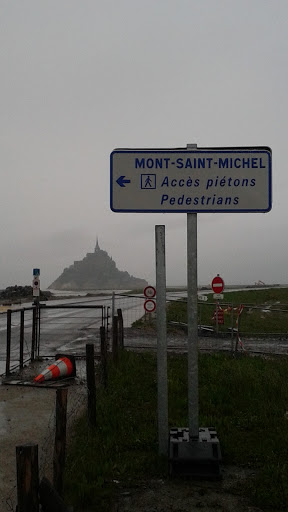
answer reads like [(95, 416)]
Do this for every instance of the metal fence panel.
[(15, 338), (68, 328), (132, 307)]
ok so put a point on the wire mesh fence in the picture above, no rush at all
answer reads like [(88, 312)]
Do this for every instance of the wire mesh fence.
[(132, 307), (221, 326), (32, 333), (256, 328), (69, 328)]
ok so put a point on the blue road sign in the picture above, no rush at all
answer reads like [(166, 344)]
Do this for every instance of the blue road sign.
[(191, 180)]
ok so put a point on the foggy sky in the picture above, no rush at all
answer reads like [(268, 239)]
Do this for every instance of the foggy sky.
[(81, 78)]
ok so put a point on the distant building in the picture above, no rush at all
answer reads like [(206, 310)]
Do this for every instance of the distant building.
[(97, 271)]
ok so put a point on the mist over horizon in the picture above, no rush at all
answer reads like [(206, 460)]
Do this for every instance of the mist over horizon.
[(81, 79), (171, 280)]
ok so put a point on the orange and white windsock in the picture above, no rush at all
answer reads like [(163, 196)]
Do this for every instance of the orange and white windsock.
[(63, 367)]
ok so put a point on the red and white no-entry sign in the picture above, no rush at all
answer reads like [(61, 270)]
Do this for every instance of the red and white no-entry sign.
[(217, 284)]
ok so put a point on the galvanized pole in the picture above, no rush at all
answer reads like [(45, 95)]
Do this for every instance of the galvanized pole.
[(232, 322), (192, 325), (39, 326), (112, 315), (162, 386), (8, 345), (192, 321), (22, 325)]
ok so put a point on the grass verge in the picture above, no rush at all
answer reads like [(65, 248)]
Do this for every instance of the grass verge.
[(245, 399), (265, 311)]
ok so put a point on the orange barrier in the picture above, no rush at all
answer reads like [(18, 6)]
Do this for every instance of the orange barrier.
[(64, 367)]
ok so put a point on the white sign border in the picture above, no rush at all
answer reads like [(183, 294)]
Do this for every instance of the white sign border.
[(249, 149)]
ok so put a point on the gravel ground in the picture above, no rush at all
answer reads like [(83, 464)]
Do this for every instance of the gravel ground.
[(177, 341), (187, 495), (27, 415)]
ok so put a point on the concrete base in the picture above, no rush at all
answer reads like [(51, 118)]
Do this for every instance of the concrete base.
[(196, 458)]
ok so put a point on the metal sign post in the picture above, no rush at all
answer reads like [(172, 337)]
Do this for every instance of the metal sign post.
[(36, 316), (192, 314), (189, 180), (162, 386), (192, 321), (36, 284)]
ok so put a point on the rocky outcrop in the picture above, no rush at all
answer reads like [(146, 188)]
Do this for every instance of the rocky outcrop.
[(97, 271), (17, 294)]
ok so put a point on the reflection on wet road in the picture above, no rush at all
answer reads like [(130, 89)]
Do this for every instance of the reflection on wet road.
[(66, 330), (69, 330)]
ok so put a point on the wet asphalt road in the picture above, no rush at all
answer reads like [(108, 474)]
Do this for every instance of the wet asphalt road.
[(64, 330), (69, 330)]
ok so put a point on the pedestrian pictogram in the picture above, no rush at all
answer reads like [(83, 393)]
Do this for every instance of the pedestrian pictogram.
[(148, 181)]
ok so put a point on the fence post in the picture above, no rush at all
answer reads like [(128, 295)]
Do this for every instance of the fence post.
[(21, 338), (34, 329), (8, 345), (232, 327), (217, 324), (237, 332), (60, 439), (113, 304), (91, 386), (120, 329), (103, 356), (38, 327), (115, 339), (107, 327), (27, 478)]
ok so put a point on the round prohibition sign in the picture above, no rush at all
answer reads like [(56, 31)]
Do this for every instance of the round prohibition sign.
[(149, 292), (217, 284), (149, 305)]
